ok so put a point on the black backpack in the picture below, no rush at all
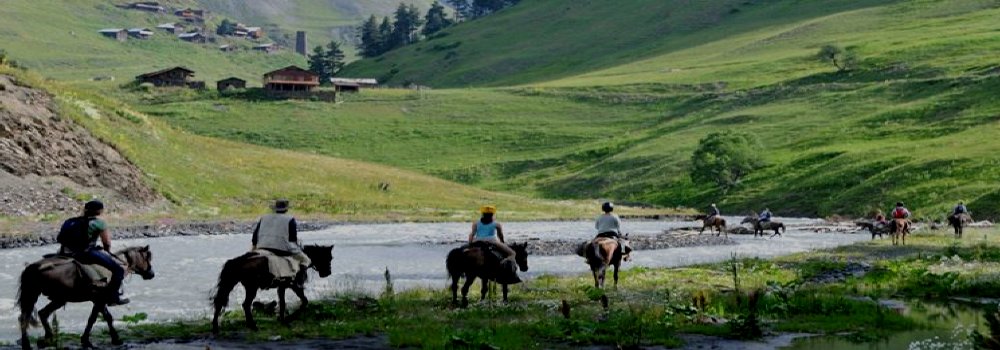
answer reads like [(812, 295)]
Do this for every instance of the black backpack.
[(75, 233)]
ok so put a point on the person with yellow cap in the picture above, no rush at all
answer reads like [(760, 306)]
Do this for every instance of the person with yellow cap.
[(487, 229)]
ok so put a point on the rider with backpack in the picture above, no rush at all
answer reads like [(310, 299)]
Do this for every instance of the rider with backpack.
[(78, 237)]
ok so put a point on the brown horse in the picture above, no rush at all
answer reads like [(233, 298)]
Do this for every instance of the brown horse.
[(602, 252), (874, 227), (899, 228), (760, 227), (251, 270), (475, 261), (959, 221), (715, 223), (66, 283)]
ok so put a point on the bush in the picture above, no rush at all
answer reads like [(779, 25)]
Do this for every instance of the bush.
[(725, 158), (843, 59)]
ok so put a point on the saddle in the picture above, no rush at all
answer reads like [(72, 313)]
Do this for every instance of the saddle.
[(507, 272), (280, 267), (96, 274)]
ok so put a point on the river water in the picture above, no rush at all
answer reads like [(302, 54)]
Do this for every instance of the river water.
[(187, 266)]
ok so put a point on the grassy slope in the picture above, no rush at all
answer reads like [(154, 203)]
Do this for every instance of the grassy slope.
[(540, 40), (73, 50), (207, 177), (913, 124), (653, 306)]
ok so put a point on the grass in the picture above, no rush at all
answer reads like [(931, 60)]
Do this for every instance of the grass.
[(651, 306), (912, 123), (204, 177)]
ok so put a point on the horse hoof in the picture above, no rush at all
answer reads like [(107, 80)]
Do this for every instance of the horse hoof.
[(253, 327), (42, 343), (87, 345), (117, 342)]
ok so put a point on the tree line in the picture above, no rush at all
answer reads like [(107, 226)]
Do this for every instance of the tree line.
[(407, 26)]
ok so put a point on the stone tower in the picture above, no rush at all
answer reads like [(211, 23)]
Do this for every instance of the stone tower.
[(300, 43)]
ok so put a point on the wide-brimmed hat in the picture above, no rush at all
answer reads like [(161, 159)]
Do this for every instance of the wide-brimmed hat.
[(280, 205)]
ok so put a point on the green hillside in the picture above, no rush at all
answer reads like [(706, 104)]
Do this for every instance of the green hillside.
[(913, 122), (210, 178)]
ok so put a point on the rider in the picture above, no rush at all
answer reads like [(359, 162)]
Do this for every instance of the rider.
[(900, 212), (960, 209), (488, 230), (83, 247), (879, 218), (713, 211), (609, 225), (278, 234), (765, 216)]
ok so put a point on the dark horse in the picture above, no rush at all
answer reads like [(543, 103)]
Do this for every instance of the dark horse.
[(760, 227), (715, 223), (66, 283), (475, 261), (251, 270), (875, 227), (899, 229), (602, 252), (959, 221)]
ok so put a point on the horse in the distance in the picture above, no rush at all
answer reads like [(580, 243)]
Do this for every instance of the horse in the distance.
[(715, 223), (63, 281), (958, 222), (476, 260), (760, 227), (899, 228), (602, 252), (252, 271), (874, 228)]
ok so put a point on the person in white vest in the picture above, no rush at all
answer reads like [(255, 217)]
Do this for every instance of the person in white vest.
[(278, 233)]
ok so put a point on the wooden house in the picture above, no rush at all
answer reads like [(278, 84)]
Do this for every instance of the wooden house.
[(254, 32), (227, 48), (360, 83), (119, 34), (176, 76), (140, 33), (290, 78), (172, 28), (346, 87), (266, 48), (193, 37), (148, 6), (231, 83)]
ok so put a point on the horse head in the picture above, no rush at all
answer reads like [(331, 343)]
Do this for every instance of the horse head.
[(139, 261), (700, 217), (322, 258), (748, 219), (520, 255)]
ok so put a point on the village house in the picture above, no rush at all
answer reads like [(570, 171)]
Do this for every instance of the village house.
[(346, 87), (227, 48), (361, 83), (140, 33), (231, 83), (243, 31), (176, 76), (266, 48), (290, 78), (150, 6), (191, 15), (193, 37), (119, 34), (172, 28)]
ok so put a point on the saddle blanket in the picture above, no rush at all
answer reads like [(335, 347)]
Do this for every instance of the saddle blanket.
[(281, 267), (95, 273)]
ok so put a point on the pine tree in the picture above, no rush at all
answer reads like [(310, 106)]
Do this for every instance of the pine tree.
[(371, 38), (405, 27), (227, 27), (334, 58), (463, 10), (318, 64), (385, 33), (436, 19)]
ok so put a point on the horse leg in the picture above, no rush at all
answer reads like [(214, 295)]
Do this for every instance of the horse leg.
[(484, 288), (251, 290), (616, 274), (603, 273), (465, 289), (597, 281), (43, 315), (505, 293), (115, 340), (85, 338), (454, 289), (281, 304), (304, 302)]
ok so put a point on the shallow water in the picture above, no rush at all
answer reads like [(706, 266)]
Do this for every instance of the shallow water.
[(947, 328), (187, 266)]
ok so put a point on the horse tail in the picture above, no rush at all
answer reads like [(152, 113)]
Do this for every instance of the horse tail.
[(454, 263), (27, 295), (228, 279), (782, 227)]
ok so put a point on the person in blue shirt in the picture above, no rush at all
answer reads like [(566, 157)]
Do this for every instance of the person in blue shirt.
[(487, 229), (960, 209), (765, 216)]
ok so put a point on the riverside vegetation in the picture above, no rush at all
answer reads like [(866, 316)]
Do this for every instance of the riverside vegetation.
[(741, 299)]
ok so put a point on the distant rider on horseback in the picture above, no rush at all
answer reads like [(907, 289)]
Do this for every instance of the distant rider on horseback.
[(713, 211), (486, 229), (880, 218), (765, 216), (278, 234), (609, 225), (960, 209), (78, 237), (900, 212)]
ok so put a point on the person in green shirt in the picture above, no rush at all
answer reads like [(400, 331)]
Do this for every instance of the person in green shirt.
[(79, 236)]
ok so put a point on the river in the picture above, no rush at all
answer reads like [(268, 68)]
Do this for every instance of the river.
[(187, 266)]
